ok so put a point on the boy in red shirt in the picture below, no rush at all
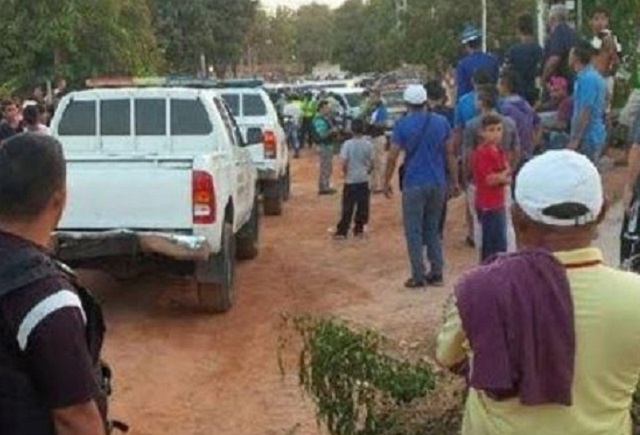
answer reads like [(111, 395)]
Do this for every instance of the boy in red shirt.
[(491, 173)]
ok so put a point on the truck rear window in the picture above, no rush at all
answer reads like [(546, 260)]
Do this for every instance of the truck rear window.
[(189, 118), (253, 105), (78, 119), (151, 117), (115, 117)]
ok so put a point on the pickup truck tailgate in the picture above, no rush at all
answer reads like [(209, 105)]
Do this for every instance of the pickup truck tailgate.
[(128, 194)]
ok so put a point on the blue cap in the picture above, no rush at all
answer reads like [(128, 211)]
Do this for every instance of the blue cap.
[(470, 33)]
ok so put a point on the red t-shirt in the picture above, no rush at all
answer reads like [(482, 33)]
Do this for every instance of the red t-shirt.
[(486, 160)]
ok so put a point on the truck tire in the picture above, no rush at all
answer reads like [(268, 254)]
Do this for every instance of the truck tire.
[(216, 277), (273, 197), (248, 237), (286, 190)]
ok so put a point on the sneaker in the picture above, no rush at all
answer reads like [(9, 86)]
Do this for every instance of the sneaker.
[(339, 237), (434, 280), (412, 284), (328, 192)]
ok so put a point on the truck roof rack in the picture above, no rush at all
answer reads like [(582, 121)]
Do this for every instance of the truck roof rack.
[(171, 82)]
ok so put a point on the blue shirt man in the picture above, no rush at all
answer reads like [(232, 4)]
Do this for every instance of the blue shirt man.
[(474, 61), (423, 137), (425, 153), (588, 130)]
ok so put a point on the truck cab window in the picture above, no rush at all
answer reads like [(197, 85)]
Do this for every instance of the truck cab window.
[(151, 117), (115, 117), (78, 119), (189, 118)]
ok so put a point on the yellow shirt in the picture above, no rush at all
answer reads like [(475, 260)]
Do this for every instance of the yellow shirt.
[(607, 360)]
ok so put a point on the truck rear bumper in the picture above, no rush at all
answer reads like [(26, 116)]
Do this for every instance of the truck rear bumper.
[(267, 169), (77, 245)]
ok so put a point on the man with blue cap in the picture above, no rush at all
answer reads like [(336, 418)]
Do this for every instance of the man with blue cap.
[(474, 60)]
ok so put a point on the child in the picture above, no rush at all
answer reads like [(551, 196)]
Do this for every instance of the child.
[(491, 173), (357, 156)]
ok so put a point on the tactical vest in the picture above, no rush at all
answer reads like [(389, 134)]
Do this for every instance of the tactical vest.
[(22, 410)]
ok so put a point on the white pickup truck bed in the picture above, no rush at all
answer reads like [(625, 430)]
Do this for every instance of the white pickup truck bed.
[(108, 193)]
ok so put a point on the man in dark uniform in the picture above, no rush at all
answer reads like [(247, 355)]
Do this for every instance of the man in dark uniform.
[(50, 329)]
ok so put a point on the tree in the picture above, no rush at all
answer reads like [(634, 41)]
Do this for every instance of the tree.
[(214, 28), (75, 39), (314, 29)]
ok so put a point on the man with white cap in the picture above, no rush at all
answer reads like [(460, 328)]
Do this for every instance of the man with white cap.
[(424, 137), (548, 337)]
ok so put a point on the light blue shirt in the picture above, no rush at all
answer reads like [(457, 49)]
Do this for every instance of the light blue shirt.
[(590, 91), (465, 109)]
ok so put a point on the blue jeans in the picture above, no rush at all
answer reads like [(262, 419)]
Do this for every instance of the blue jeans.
[(592, 152), (494, 232), (293, 136), (422, 212)]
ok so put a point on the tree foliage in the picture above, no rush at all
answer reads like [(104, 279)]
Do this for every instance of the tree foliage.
[(214, 28), (75, 38), (81, 38)]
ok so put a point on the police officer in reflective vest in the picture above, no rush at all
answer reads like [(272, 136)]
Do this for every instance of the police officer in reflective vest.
[(51, 329)]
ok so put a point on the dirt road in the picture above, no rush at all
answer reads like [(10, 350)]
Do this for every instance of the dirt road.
[(178, 372)]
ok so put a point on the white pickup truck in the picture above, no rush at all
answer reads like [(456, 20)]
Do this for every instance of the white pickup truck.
[(258, 120), (157, 174)]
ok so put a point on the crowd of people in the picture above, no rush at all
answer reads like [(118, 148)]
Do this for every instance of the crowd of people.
[(31, 114), (542, 330)]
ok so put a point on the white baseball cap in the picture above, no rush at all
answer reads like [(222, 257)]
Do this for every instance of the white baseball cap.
[(415, 95), (557, 178)]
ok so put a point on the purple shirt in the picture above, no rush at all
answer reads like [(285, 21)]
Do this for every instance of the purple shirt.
[(526, 119)]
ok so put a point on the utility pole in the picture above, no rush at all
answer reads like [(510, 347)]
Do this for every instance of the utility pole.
[(402, 8)]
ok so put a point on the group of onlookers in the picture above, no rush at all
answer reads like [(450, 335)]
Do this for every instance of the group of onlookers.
[(31, 114)]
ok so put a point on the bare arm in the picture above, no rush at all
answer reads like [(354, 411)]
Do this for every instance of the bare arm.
[(392, 162), (550, 66), (578, 133), (499, 179), (84, 419)]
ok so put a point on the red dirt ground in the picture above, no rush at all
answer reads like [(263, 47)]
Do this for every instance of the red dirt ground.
[(178, 372)]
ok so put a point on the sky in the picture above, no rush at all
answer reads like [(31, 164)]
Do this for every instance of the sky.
[(297, 3)]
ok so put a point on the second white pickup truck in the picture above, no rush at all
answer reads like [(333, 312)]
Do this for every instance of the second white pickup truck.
[(158, 173)]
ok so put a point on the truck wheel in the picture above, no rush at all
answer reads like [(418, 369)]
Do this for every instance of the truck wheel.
[(286, 189), (249, 235), (273, 198), (216, 277)]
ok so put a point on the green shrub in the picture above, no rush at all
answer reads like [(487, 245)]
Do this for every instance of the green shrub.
[(357, 388)]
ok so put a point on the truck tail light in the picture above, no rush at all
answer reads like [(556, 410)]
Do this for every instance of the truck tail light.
[(270, 143), (204, 198)]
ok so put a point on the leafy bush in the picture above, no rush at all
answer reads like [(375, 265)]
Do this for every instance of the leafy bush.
[(358, 389)]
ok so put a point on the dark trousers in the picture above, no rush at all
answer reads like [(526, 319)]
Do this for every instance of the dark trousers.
[(630, 238), (355, 198), (494, 232), (306, 132)]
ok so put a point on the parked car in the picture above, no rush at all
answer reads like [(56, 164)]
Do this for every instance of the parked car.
[(259, 123), (350, 99), (158, 174)]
